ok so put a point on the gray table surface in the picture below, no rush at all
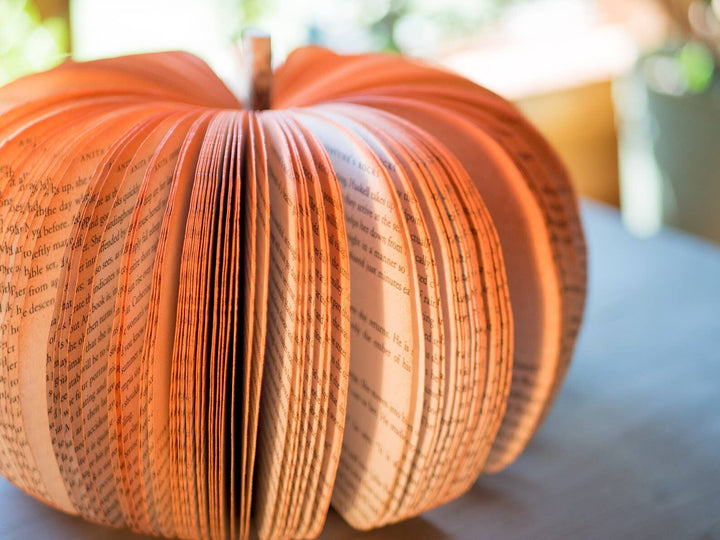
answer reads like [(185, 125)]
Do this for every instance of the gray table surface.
[(631, 448)]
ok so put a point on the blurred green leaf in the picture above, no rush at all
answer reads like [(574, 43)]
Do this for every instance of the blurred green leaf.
[(696, 67), (27, 43)]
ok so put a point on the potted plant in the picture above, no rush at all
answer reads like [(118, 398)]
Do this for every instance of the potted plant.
[(670, 112)]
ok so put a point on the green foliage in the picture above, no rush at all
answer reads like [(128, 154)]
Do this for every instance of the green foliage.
[(27, 43), (387, 25), (696, 67), (242, 14)]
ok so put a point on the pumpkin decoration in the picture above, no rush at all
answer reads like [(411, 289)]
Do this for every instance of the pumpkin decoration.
[(363, 292)]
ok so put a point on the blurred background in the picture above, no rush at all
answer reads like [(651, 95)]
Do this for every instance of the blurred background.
[(626, 90)]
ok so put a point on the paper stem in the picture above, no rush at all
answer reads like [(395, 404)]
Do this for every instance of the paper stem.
[(257, 68)]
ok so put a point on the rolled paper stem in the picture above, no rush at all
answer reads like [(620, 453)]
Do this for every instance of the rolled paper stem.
[(257, 67)]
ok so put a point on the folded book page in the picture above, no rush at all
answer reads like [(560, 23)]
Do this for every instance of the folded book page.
[(218, 322)]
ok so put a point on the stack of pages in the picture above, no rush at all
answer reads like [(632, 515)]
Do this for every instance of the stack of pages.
[(213, 317)]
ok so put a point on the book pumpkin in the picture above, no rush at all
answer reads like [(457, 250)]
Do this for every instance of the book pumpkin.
[(365, 295)]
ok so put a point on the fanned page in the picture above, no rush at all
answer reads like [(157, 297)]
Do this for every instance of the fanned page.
[(217, 322)]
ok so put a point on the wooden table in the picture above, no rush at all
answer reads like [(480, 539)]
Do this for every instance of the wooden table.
[(632, 446)]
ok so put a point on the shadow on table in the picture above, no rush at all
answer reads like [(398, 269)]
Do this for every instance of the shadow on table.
[(416, 528), (24, 518)]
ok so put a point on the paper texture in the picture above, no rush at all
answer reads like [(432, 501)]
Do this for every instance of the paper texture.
[(217, 321)]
